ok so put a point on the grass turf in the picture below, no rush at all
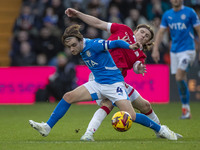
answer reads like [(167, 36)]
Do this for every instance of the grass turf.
[(16, 133)]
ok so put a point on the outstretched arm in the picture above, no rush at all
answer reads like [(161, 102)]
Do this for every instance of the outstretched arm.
[(106, 45), (123, 44), (90, 20)]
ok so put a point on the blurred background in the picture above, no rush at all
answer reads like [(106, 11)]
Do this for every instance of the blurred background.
[(30, 35)]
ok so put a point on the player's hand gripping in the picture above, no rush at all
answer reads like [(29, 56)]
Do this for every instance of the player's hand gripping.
[(70, 12), (136, 46), (142, 68)]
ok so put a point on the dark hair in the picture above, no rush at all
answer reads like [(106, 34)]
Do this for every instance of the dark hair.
[(72, 31), (149, 44)]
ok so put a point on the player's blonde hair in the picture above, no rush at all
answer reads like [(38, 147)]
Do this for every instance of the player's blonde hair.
[(72, 31), (150, 43)]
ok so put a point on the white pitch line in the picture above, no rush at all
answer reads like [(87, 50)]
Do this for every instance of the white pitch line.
[(88, 142)]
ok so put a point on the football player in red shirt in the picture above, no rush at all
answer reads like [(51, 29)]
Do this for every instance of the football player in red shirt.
[(125, 60)]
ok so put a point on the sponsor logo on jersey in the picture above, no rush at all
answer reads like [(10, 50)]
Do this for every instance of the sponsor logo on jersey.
[(88, 53), (169, 17), (183, 16), (136, 53), (90, 63), (178, 26), (127, 38)]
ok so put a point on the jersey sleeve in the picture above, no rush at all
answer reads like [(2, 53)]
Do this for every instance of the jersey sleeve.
[(109, 27), (101, 45), (164, 23), (114, 27), (142, 58), (194, 18), (118, 44)]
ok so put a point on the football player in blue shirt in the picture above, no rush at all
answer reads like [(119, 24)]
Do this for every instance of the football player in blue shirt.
[(180, 20), (108, 83)]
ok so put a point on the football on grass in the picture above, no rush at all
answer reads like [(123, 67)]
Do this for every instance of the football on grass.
[(121, 121)]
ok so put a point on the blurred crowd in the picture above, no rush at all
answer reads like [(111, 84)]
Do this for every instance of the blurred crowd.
[(38, 28)]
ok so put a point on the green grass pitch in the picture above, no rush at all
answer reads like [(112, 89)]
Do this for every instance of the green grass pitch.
[(16, 133)]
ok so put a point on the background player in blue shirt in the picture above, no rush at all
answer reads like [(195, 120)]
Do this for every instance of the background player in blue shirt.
[(180, 20), (108, 83)]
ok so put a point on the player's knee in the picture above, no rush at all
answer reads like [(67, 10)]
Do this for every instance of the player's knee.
[(180, 75), (68, 97), (179, 78), (146, 107), (107, 104), (110, 106)]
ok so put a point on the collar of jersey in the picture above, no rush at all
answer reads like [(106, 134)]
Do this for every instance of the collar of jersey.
[(181, 8), (134, 38), (84, 40)]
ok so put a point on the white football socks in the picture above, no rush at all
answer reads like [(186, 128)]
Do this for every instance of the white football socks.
[(96, 121), (154, 117)]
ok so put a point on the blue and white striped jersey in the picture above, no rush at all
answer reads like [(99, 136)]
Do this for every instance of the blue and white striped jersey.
[(181, 25)]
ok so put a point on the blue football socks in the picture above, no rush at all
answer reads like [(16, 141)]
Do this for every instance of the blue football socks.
[(183, 92), (145, 121), (58, 112)]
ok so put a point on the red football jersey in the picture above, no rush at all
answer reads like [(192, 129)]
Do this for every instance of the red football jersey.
[(124, 58)]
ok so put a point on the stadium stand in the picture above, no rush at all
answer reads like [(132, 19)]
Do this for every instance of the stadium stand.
[(9, 10)]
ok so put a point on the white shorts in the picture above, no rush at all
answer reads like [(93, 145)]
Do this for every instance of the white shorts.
[(182, 60), (132, 93), (114, 92)]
